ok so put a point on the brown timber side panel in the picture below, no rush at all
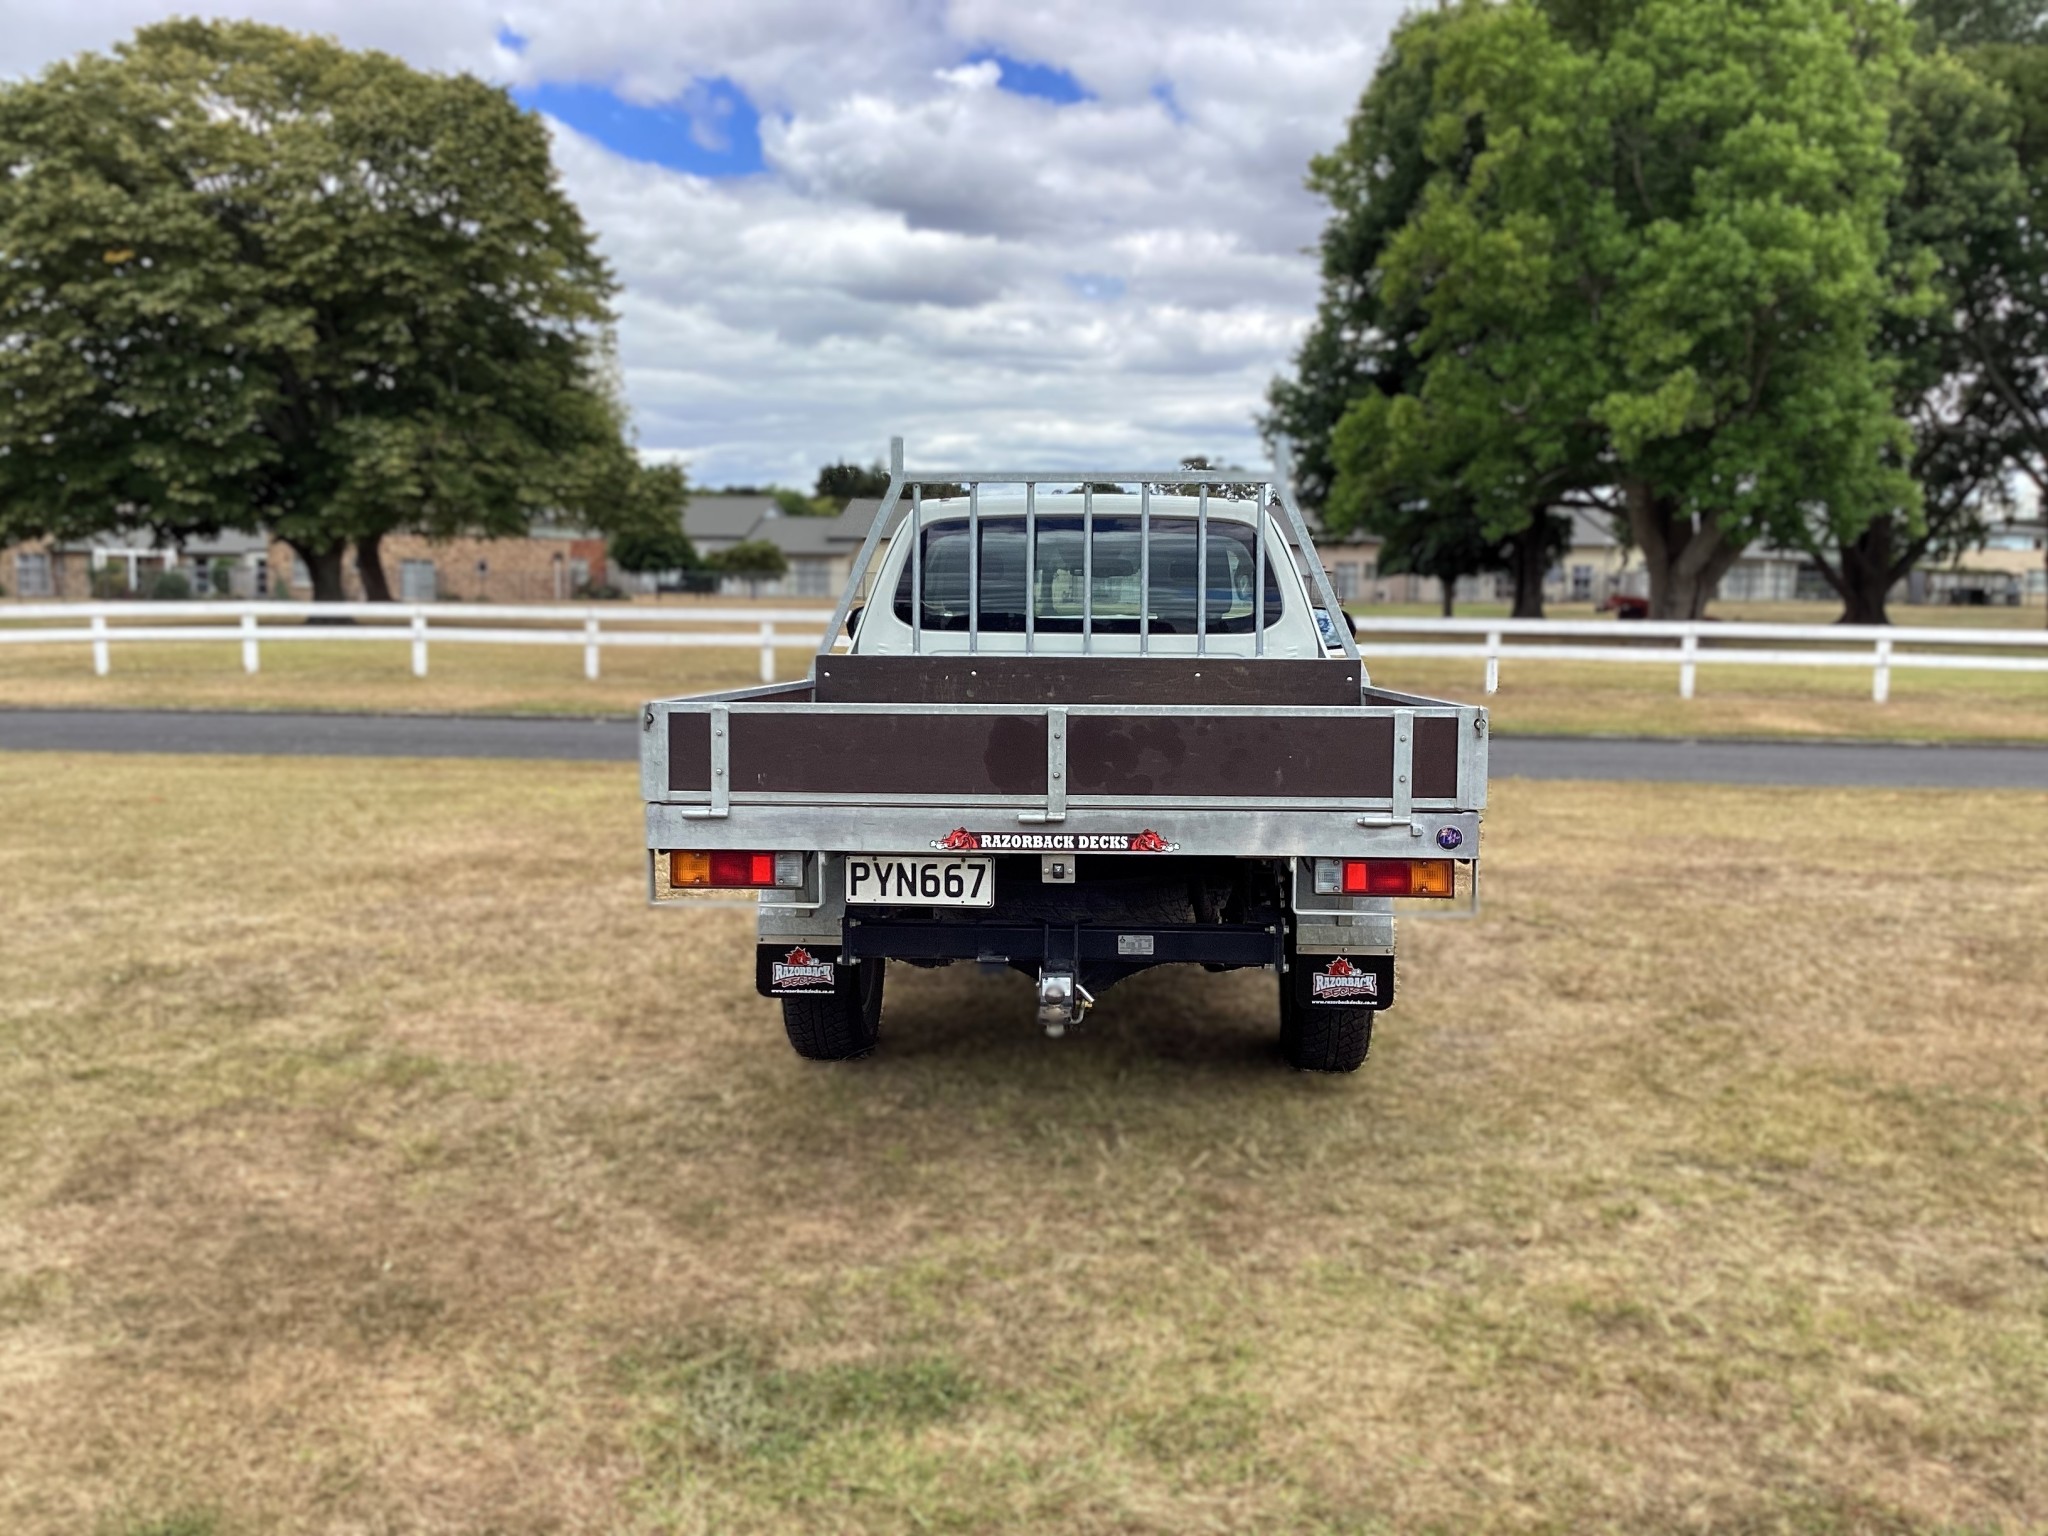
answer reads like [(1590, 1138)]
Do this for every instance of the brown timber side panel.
[(1436, 758), (824, 753), (998, 679), (689, 752), (1304, 757)]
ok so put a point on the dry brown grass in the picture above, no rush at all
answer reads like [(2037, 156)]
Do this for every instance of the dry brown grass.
[(371, 1162)]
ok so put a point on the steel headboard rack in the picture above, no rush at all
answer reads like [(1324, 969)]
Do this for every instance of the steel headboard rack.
[(1278, 487)]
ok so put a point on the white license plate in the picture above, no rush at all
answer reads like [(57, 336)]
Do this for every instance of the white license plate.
[(891, 882)]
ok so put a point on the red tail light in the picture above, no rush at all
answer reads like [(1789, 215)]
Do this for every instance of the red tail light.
[(1390, 877), (729, 869)]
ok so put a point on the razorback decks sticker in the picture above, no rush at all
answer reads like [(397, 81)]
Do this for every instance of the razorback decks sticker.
[(1342, 983), (960, 840), (800, 971)]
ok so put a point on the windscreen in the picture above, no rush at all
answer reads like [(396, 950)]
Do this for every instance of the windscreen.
[(1058, 575)]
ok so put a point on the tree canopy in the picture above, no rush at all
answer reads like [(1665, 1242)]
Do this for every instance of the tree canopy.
[(1689, 260), (254, 278), (1959, 225), (646, 534)]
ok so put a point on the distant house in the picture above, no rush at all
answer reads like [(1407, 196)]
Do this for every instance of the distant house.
[(2008, 571), (551, 564), (820, 550), (227, 564)]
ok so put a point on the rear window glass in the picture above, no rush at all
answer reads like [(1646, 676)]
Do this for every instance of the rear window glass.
[(1058, 576)]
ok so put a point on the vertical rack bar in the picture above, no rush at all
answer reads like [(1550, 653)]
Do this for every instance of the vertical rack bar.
[(1259, 576), (862, 576), (1030, 566), (1202, 571), (1087, 567), (1144, 566), (916, 569), (974, 566)]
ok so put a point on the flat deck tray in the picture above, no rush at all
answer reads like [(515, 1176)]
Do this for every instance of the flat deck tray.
[(999, 679)]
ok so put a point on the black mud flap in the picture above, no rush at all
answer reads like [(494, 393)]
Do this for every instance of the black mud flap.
[(1344, 981), (790, 969)]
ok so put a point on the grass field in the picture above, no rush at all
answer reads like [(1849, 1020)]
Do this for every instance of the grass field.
[(1536, 696), (371, 1161)]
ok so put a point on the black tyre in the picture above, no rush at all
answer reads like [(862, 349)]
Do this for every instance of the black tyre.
[(1316, 1039), (842, 1024)]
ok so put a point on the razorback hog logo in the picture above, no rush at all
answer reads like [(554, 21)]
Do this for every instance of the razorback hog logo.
[(1149, 841), (801, 969), (1342, 982), (960, 839)]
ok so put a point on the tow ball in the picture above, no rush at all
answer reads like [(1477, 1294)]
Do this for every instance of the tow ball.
[(1061, 1001)]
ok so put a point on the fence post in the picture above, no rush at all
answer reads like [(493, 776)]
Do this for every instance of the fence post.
[(1493, 661), (1881, 679), (767, 652), (1688, 669), (590, 648), (250, 661), (99, 645), (419, 644)]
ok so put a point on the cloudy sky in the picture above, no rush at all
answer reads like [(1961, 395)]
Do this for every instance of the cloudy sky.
[(1063, 233)]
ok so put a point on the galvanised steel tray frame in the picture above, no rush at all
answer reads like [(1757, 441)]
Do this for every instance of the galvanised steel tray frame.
[(1249, 825)]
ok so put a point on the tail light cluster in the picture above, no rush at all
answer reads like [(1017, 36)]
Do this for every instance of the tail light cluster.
[(723, 869), (1386, 877)]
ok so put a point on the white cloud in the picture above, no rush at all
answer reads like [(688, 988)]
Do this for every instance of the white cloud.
[(997, 277)]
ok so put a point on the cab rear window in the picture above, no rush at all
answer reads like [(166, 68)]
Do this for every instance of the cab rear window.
[(1058, 574)]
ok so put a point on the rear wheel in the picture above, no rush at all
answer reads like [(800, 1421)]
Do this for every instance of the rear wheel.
[(841, 1024), (1322, 1039)]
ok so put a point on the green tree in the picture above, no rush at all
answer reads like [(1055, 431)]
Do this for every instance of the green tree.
[(647, 534), (1362, 352), (841, 483), (752, 561), (1958, 223), (1666, 261), (1962, 23), (796, 504), (2007, 322), (256, 279)]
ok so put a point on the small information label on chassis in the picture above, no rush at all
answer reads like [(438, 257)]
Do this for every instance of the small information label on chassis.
[(920, 882)]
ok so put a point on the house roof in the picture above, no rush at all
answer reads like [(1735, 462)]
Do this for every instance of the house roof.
[(802, 535), (816, 536), (725, 519)]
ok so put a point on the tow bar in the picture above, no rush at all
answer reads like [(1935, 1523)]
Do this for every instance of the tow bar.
[(1061, 1001)]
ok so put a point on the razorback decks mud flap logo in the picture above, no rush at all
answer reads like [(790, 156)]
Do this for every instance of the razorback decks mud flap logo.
[(1345, 982), (960, 840), (804, 969)]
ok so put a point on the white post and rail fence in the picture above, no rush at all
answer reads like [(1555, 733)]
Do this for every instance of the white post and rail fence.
[(1685, 646), (1688, 646), (105, 626)]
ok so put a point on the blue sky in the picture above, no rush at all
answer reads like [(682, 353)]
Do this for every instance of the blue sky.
[(1037, 231), (713, 129)]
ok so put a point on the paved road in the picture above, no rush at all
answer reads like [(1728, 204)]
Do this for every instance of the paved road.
[(608, 740)]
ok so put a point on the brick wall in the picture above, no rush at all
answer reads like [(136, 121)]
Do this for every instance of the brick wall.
[(467, 570)]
